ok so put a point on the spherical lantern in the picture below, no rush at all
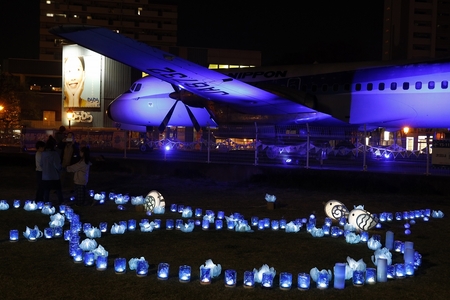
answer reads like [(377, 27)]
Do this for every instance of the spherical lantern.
[(153, 199)]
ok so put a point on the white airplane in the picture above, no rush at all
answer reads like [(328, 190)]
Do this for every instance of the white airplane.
[(181, 93)]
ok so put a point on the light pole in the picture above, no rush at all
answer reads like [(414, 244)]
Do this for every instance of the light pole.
[(69, 115)]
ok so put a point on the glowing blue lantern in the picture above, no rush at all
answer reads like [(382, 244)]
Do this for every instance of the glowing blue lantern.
[(283, 223), (231, 224), (285, 281), (326, 229), (303, 281), (335, 230), (91, 193), (417, 260), (178, 224), (383, 217), (400, 271), (180, 208), (198, 212), (205, 224), (219, 224), (16, 203), (4, 205), (254, 221), (261, 225), (169, 224), (67, 235), (184, 273), (398, 216), (48, 233), (205, 275), (120, 265), (40, 205), (86, 226), (267, 280), (389, 217), (409, 268), (163, 271), (173, 208), (142, 268), (364, 236), (13, 235), (78, 255), (371, 275), (390, 273), (103, 226), (342, 221), (358, 278), (220, 215), (275, 224), (249, 279), (230, 278), (101, 262), (131, 224), (323, 280), (266, 222), (89, 259), (398, 246), (339, 276), (157, 223)]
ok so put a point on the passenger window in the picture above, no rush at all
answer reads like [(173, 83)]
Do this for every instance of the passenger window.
[(406, 86), (132, 87), (418, 85), (444, 84), (358, 87), (370, 86), (324, 88), (431, 85), (346, 87), (314, 88), (381, 86), (335, 87), (393, 86)]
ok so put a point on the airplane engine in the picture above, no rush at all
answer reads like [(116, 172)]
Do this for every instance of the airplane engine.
[(153, 102)]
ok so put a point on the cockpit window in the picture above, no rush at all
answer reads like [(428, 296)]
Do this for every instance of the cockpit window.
[(132, 87), (138, 87)]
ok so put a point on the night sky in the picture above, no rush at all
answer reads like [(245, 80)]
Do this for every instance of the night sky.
[(322, 31)]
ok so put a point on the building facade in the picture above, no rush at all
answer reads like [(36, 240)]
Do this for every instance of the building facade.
[(415, 29)]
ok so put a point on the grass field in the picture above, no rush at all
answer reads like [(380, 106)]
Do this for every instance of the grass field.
[(44, 269)]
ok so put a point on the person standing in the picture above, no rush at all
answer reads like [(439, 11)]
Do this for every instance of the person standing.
[(40, 146), (51, 168), (60, 135), (70, 155), (81, 176)]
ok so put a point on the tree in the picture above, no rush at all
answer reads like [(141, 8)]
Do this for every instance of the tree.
[(11, 92)]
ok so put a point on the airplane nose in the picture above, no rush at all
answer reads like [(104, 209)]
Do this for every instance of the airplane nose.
[(108, 112)]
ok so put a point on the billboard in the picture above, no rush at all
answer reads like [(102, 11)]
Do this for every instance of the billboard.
[(82, 71)]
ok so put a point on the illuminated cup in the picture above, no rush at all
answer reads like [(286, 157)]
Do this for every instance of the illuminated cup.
[(358, 278), (184, 273), (142, 268), (323, 281), (13, 235), (249, 279), (303, 281), (205, 275), (230, 278), (163, 271), (49, 233), (78, 256), (371, 275), (285, 281), (219, 224), (101, 262), (89, 259), (267, 280), (120, 265)]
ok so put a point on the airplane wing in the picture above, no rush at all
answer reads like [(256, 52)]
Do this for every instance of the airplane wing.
[(199, 80)]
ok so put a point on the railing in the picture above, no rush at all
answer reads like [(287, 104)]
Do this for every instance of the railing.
[(356, 157)]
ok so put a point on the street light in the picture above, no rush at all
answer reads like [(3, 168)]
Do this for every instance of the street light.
[(405, 131), (69, 115)]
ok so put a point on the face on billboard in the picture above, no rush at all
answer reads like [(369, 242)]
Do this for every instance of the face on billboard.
[(74, 76)]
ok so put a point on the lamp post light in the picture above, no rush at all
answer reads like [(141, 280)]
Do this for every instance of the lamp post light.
[(69, 115), (405, 131)]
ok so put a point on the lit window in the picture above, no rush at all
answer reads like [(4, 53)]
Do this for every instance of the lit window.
[(213, 66), (50, 15), (431, 85), (48, 2), (444, 84), (223, 66), (234, 66), (139, 10)]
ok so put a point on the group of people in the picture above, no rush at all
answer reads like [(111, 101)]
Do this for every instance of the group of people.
[(55, 159)]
